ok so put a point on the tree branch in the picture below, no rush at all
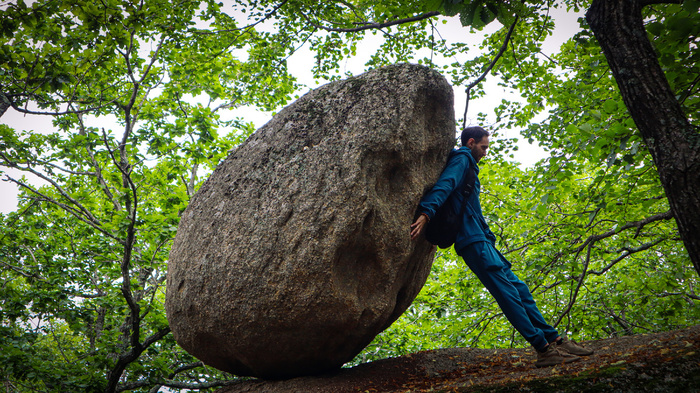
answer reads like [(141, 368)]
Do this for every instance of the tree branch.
[(27, 168), (59, 113), (488, 69), (98, 169), (635, 224), (67, 208), (689, 91), (373, 25), (5, 103), (125, 359), (134, 309), (574, 295), (183, 368), (627, 253), (247, 27), (21, 271), (591, 240)]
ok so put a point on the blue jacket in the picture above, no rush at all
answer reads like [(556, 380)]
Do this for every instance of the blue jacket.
[(474, 227)]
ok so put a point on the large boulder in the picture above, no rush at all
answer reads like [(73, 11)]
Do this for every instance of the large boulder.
[(295, 253)]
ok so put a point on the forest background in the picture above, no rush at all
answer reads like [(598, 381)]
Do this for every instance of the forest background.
[(145, 97)]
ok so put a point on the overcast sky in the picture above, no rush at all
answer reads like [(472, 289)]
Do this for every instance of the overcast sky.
[(566, 26)]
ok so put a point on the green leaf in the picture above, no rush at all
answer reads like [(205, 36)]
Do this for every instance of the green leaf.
[(610, 106), (655, 28)]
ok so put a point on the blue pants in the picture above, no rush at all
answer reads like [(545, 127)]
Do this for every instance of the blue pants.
[(512, 295)]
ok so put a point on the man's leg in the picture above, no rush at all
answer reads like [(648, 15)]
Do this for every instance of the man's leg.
[(536, 317), (528, 302), (512, 295)]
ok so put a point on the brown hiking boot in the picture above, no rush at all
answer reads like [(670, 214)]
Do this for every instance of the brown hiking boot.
[(552, 357), (572, 347)]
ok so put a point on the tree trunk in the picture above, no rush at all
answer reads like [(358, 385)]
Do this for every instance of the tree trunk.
[(4, 104), (673, 142)]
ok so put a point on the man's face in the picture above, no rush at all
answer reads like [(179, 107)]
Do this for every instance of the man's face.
[(478, 148)]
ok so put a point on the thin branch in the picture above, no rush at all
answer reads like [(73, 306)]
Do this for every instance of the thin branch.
[(198, 386), (67, 208), (5, 103), (155, 337), (489, 68), (47, 163), (689, 91), (153, 59), (627, 253), (27, 168), (668, 294), (635, 224), (156, 282), (247, 27), (620, 319), (515, 57), (591, 240), (183, 368), (126, 358), (547, 57), (373, 25), (66, 112), (481, 325), (98, 170), (21, 271), (574, 295), (692, 296)]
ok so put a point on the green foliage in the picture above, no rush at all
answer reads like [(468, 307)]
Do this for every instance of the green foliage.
[(84, 256), (675, 37), (138, 94), (479, 13)]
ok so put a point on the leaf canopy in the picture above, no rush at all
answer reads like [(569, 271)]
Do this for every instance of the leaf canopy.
[(141, 97)]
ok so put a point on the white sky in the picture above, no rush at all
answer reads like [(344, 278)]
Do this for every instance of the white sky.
[(566, 26)]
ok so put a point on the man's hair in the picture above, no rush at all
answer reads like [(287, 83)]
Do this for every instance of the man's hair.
[(475, 132)]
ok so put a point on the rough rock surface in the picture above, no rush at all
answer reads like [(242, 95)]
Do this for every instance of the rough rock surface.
[(295, 253), (659, 363)]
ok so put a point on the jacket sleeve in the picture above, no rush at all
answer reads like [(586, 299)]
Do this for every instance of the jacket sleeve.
[(449, 179)]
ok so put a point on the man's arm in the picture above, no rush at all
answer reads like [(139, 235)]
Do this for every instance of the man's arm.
[(449, 179)]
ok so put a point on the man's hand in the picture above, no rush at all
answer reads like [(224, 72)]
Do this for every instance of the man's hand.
[(417, 227)]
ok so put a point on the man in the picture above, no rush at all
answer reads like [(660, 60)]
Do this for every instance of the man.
[(475, 243)]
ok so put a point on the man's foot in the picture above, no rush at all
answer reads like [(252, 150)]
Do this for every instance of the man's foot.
[(572, 347), (552, 357)]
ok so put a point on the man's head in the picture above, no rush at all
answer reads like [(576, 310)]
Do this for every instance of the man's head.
[(477, 140)]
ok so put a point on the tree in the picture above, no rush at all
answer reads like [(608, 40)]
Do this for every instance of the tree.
[(664, 124), (84, 258)]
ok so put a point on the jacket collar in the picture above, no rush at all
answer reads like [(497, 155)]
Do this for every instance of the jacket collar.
[(472, 161)]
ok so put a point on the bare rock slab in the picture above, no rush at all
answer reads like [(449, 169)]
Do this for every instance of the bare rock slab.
[(295, 253)]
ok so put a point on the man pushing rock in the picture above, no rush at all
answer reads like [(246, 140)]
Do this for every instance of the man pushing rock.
[(475, 243)]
